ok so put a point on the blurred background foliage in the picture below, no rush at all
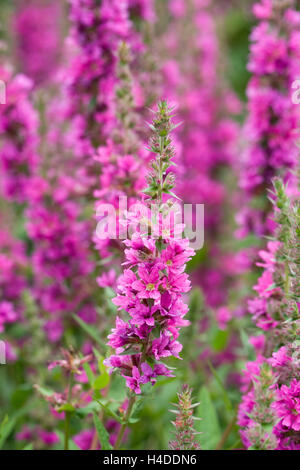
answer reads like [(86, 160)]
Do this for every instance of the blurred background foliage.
[(211, 388)]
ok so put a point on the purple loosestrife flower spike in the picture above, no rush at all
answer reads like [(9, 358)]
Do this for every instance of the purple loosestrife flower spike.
[(269, 414), (153, 282), (273, 120), (185, 436)]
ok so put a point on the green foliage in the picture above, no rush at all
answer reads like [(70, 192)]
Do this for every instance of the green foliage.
[(89, 330), (102, 433), (237, 28), (149, 422), (209, 425)]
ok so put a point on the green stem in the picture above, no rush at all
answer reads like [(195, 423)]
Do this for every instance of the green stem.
[(68, 413), (67, 429), (287, 279), (162, 147), (125, 423), (227, 432)]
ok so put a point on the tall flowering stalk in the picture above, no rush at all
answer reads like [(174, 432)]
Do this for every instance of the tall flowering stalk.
[(99, 94), (38, 30), (270, 130), (271, 134), (185, 436), (97, 28), (208, 144), (19, 137), (13, 282), (102, 102), (18, 167), (269, 414), (61, 259), (122, 160), (208, 136), (151, 287)]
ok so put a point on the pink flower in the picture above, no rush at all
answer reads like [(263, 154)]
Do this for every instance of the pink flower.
[(48, 437), (259, 309), (265, 285), (263, 10), (223, 317), (134, 381), (164, 346), (148, 285), (121, 335), (84, 439), (54, 330), (280, 358), (107, 279), (151, 292), (288, 405), (269, 256), (258, 342), (7, 314), (143, 314), (26, 434)]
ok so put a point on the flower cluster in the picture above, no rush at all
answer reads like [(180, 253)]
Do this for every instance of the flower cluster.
[(269, 413), (151, 287), (208, 134), (13, 266), (123, 159), (93, 249), (38, 435), (38, 25), (97, 29), (19, 137), (61, 260), (185, 438), (270, 130)]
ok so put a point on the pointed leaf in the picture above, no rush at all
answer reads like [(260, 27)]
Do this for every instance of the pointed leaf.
[(209, 424), (102, 434)]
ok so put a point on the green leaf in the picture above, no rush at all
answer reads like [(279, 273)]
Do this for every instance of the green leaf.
[(109, 292), (226, 398), (173, 195), (209, 425), (88, 409), (20, 395), (220, 340), (89, 373), (44, 391), (101, 381), (28, 446), (196, 302), (248, 348), (137, 408), (109, 411), (97, 354), (90, 331), (72, 445), (247, 242), (6, 428), (102, 434), (104, 378), (8, 423), (67, 407), (3, 429), (163, 381), (198, 259)]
